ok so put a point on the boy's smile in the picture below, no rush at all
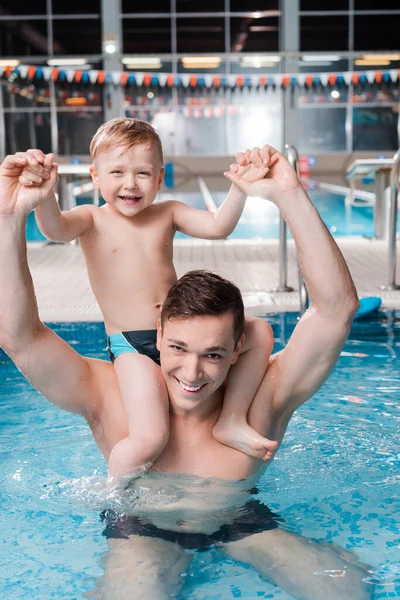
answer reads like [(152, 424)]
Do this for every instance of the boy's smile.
[(128, 179)]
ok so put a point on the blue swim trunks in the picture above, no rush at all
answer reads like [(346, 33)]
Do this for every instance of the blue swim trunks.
[(139, 342)]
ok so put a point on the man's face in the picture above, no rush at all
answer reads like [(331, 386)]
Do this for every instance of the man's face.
[(196, 354), (128, 179)]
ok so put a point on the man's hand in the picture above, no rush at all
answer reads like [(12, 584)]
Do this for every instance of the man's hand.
[(26, 180), (264, 173)]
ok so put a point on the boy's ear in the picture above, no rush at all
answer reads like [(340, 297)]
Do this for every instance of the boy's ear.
[(159, 334), (95, 176), (161, 177)]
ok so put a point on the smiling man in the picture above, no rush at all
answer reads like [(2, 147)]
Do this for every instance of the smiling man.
[(199, 338)]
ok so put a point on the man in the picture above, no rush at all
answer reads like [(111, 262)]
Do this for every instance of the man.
[(197, 350)]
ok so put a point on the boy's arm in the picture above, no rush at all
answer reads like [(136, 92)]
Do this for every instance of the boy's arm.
[(203, 224), (49, 363), (63, 226), (299, 370), (56, 225)]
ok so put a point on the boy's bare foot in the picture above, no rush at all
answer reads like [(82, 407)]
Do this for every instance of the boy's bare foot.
[(241, 436)]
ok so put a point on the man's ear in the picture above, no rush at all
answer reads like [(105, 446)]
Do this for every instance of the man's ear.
[(161, 177), (95, 176), (238, 349), (159, 334)]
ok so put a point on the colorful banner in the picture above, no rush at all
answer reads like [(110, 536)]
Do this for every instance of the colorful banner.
[(193, 80)]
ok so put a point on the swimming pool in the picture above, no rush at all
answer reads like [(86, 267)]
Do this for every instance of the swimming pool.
[(260, 218), (335, 479)]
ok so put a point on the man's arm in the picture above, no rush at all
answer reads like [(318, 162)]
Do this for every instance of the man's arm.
[(56, 225), (54, 368), (203, 224), (298, 371)]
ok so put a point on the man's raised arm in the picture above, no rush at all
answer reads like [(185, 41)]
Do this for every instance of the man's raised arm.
[(297, 372), (49, 363)]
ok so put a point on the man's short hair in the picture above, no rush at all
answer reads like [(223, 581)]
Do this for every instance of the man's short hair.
[(124, 131), (203, 293)]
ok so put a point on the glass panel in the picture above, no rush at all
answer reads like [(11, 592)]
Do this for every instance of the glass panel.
[(146, 36), (23, 38), (165, 66), (390, 64), (320, 33), (375, 128), (76, 129), (326, 5), (194, 6), (22, 93), (376, 94), (19, 7), (322, 95), (255, 35), (200, 97), (254, 118), (65, 7), (147, 97), (205, 34), (322, 130), (376, 32), (322, 64), (247, 65), (74, 94), (203, 70), (151, 6), (27, 130), (376, 5), (77, 37), (253, 5)]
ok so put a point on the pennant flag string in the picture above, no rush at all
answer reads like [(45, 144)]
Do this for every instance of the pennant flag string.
[(196, 80)]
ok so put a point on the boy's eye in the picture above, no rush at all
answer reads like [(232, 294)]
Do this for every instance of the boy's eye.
[(144, 173), (116, 172)]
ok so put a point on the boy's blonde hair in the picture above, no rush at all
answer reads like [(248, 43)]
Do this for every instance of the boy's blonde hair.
[(124, 131)]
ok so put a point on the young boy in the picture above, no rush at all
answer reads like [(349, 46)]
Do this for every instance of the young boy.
[(128, 245)]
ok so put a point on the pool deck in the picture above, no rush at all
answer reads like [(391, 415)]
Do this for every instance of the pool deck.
[(64, 294)]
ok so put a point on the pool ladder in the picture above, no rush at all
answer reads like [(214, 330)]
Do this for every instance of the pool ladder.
[(292, 157)]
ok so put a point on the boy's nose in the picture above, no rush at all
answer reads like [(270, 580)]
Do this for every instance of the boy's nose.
[(130, 182)]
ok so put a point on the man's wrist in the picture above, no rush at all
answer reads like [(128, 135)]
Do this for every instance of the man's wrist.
[(292, 195)]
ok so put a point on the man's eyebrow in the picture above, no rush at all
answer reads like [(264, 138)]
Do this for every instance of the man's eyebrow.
[(216, 349), (210, 349), (177, 342)]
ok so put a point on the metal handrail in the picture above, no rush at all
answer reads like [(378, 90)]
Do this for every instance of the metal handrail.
[(394, 196), (292, 157), (283, 286)]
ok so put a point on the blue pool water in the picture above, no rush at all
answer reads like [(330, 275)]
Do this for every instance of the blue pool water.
[(260, 218), (335, 479)]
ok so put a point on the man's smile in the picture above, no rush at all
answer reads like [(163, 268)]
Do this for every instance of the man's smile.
[(191, 389)]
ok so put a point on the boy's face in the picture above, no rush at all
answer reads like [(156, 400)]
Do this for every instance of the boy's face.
[(128, 179)]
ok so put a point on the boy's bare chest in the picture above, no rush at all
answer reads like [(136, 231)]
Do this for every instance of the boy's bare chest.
[(119, 239)]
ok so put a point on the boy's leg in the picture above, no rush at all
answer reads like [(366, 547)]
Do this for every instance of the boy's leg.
[(145, 399), (243, 381)]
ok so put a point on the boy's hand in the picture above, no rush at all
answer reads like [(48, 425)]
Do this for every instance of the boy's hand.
[(252, 165), (26, 180), (280, 178)]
